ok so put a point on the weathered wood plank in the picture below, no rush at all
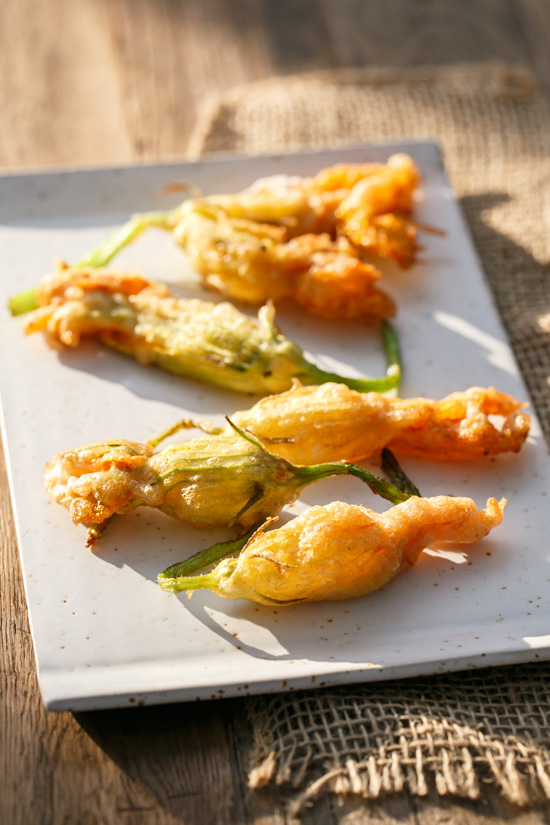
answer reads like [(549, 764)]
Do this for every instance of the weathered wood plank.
[(171, 56), (60, 100), (394, 33), (116, 80), (534, 24), (299, 36)]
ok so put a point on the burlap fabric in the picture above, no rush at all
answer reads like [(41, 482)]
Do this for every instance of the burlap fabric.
[(493, 123)]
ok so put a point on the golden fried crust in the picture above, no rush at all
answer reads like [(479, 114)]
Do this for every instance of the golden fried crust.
[(309, 205), (66, 297), (93, 481), (85, 278), (459, 427), (331, 422), (342, 551), (217, 480), (374, 216), (309, 425), (332, 220), (340, 286), (324, 275)]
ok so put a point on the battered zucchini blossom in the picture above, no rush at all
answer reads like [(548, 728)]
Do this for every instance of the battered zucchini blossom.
[(212, 342), (311, 424), (339, 551), (329, 422), (292, 238), (217, 480)]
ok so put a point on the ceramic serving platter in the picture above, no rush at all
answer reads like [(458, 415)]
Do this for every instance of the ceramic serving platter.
[(104, 633)]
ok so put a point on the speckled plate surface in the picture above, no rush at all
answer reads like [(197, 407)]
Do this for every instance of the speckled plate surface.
[(105, 635)]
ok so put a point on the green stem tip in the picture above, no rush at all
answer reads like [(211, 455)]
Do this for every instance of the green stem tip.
[(104, 253), (24, 302), (207, 581), (27, 301), (396, 474), (173, 578), (390, 381)]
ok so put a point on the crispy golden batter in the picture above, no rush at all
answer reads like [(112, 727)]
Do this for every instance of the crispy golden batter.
[(224, 479), (330, 422), (97, 480), (200, 339), (291, 238), (375, 215), (207, 482), (342, 551), (369, 203), (251, 262)]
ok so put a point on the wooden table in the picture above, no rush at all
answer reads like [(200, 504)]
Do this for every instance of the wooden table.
[(119, 81)]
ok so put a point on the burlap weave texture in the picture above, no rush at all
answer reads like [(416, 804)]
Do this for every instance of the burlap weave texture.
[(493, 125)]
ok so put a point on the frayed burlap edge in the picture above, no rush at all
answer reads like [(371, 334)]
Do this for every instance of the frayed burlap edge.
[(446, 732), (216, 130), (455, 760)]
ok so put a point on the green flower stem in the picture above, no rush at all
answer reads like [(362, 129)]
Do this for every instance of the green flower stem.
[(182, 583), (379, 486), (202, 559), (391, 380), (392, 352), (104, 253), (27, 301), (311, 473), (396, 474), (23, 302)]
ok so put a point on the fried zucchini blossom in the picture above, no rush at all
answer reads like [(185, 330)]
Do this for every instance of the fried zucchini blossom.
[(368, 203), (314, 424), (338, 551), (213, 481), (212, 342), (292, 238)]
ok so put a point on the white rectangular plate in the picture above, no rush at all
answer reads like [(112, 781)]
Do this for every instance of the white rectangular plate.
[(105, 635)]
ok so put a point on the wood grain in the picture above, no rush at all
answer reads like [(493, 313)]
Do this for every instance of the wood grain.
[(115, 81), (60, 99), (534, 25), (394, 33)]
